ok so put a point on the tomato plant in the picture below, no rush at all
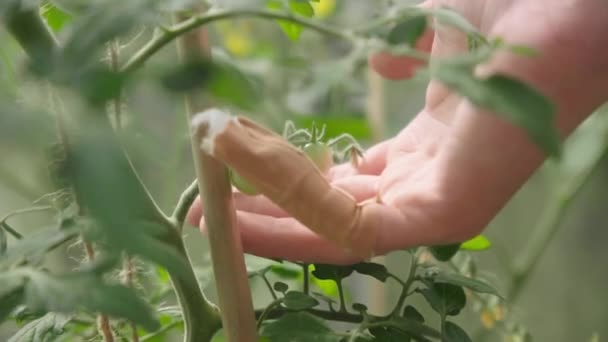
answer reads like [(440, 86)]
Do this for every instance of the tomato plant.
[(91, 143)]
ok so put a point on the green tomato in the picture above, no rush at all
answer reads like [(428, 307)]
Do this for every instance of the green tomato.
[(320, 154), (241, 184)]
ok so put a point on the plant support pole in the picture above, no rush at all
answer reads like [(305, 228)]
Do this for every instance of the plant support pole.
[(236, 307)]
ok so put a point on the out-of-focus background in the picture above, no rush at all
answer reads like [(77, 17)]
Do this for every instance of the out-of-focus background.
[(564, 298)]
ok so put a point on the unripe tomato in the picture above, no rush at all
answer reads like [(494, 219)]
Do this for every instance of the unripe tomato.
[(241, 184), (320, 154)]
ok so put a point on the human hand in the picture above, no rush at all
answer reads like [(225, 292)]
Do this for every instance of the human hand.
[(447, 174)]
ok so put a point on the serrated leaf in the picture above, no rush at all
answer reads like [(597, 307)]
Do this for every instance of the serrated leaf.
[(77, 291), (509, 98), (478, 243), (454, 333), (45, 328), (446, 299), (461, 280), (408, 31), (299, 327), (444, 253), (371, 269), (295, 300)]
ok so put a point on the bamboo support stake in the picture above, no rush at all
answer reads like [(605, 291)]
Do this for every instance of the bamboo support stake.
[(236, 306)]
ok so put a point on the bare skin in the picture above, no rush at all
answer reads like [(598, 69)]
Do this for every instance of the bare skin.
[(450, 170)]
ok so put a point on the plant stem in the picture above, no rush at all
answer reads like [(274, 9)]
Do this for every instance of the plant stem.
[(337, 316), (26, 211), (183, 27), (103, 323), (341, 294), (406, 285), (161, 331), (201, 318), (267, 282), (274, 304), (183, 204), (306, 280), (548, 227), (231, 279)]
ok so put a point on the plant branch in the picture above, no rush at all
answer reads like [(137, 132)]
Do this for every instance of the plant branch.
[(405, 291), (274, 304), (161, 331), (183, 204), (171, 33), (548, 227), (346, 317), (201, 317), (341, 294), (267, 282)]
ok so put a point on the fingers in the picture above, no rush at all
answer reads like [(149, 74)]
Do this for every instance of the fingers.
[(286, 238), (361, 187), (256, 204)]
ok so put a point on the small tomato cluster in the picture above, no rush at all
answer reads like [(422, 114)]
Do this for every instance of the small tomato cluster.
[(321, 153)]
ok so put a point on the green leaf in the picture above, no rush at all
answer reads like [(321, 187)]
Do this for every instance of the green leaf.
[(286, 271), (332, 272), (299, 327), (454, 333), (55, 18), (298, 301), (408, 31), (45, 328), (11, 293), (37, 244), (223, 80), (388, 334), (126, 217), (444, 253), (446, 299), (478, 243), (449, 17), (280, 287), (291, 29), (76, 291), (509, 98), (411, 313), (440, 276), (415, 328), (303, 8), (371, 269)]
